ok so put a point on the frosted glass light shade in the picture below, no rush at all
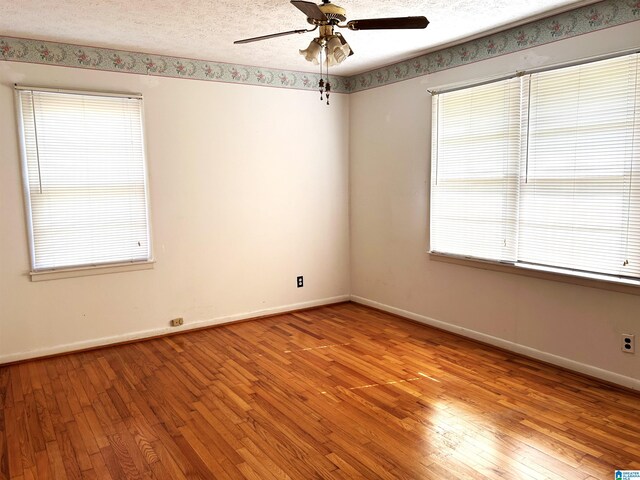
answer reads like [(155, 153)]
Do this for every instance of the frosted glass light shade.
[(312, 52), (337, 50)]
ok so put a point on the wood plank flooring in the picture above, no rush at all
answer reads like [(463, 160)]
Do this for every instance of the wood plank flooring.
[(340, 392)]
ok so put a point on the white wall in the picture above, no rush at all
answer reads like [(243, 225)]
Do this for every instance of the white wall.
[(243, 202), (249, 188), (571, 325)]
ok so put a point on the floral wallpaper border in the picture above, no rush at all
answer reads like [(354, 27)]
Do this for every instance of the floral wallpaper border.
[(576, 22), (68, 55), (605, 14)]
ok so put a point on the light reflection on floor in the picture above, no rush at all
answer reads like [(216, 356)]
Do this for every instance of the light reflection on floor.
[(316, 348)]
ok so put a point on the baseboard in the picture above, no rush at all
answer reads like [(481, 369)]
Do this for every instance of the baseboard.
[(566, 363), (158, 332), (563, 362)]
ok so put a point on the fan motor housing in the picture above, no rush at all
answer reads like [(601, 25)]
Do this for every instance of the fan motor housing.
[(334, 13)]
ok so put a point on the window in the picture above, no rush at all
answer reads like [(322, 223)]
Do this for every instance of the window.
[(542, 170), (85, 178)]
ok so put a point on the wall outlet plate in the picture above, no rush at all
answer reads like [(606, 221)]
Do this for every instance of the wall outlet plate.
[(628, 343), (300, 281), (176, 322)]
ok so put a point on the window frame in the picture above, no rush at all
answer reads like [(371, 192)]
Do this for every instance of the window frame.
[(40, 274), (566, 275)]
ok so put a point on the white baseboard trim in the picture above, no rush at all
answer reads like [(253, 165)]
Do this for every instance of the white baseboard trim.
[(140, 335), (567, 363)]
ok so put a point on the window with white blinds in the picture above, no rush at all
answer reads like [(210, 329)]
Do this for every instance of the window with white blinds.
[(85, 179), (568, 195), (476, 137)]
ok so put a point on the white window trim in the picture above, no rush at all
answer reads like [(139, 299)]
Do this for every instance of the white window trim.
[(60, 273), (615, 284), (82, 270)]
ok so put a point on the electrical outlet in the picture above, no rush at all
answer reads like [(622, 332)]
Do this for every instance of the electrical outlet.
[(628, 343), (176, 322), (300, 281)]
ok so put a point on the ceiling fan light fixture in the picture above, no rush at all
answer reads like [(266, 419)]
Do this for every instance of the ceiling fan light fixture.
[(326, 18), (333, 43), (340, 55), (337, 50), (312, 52)]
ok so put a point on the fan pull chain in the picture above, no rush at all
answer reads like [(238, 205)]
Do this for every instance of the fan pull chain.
[(321, 82), (324, 85), (327, 88)]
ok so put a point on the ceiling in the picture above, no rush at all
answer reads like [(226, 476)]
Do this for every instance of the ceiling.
[(206, 29)]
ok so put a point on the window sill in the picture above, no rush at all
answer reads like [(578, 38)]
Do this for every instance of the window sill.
[(90, 270), (591, 280)]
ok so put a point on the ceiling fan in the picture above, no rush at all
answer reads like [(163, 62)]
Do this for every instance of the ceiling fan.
[(333, 45)]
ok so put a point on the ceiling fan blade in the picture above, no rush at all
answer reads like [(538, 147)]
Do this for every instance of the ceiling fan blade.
[(310, 9), (388, 23), (273, 35)]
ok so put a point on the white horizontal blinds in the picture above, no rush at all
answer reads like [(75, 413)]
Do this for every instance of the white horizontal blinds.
[(86, 178), (474, 180), (580, 190)]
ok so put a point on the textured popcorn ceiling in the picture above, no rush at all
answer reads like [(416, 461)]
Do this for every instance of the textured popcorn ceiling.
[(206, 29)]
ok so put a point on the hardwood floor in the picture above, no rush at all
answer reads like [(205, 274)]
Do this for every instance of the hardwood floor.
[(339, 392)]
